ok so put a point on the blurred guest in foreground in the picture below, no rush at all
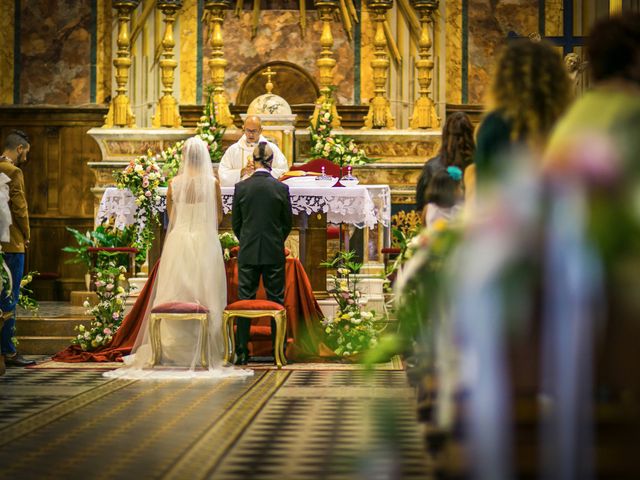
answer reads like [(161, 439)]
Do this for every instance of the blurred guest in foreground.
[(598, 144), (530, 91)]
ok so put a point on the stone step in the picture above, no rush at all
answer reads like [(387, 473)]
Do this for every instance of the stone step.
[(42, 345), (51, 327)]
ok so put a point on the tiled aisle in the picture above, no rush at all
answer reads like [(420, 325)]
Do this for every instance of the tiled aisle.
[(276, 424)]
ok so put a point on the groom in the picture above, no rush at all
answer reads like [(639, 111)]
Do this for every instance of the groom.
[(261, 219)]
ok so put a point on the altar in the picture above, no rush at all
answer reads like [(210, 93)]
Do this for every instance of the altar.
[(366, 207)]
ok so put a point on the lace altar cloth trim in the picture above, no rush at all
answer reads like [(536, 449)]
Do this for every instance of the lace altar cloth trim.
[(362, 206)]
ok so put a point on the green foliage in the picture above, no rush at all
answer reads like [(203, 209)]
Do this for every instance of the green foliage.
[(26, 300), (105, 235), (227, 241)]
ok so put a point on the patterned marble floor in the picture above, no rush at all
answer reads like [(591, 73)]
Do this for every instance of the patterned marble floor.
[(276, 424)]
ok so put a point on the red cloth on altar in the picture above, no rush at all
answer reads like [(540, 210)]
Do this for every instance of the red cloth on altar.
[(303, 319)]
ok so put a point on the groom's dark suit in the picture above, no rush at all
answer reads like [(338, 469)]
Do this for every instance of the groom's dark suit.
[(261, 219)]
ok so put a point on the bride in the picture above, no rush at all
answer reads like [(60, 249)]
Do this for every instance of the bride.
[(191, 270)]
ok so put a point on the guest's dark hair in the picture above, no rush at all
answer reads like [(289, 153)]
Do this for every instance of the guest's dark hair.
[(613, 48), (443, 190), (457, 141), (263, 154), (531, 87), (15, 139)]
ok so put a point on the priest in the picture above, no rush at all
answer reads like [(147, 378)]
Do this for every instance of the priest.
[(237, 162)]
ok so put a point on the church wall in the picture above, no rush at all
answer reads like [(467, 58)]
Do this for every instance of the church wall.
[(55, 52), (279, 38), (489, 22)]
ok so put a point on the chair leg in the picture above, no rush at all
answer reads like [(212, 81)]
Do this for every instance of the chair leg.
[(156, 343), (278, 349), (225, 336), (232, 337), (204, 348)]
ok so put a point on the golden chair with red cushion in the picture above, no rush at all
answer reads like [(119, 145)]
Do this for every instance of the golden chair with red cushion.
[(255, 309), (178, 311)]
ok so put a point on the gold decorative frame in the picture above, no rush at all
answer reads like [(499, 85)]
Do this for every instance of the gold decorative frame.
[(156, 341)]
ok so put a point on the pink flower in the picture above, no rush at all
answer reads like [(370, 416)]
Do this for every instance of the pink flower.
[(147, 193), (109, 287), (116, 315), (107, 331)]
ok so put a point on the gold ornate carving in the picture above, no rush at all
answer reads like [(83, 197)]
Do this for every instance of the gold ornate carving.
[(217, 63), (424, 111), (167, 114), (379, 115), (326, 62), (120, 114)]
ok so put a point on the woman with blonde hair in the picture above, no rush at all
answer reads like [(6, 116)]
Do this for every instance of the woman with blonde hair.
[(530, 91)]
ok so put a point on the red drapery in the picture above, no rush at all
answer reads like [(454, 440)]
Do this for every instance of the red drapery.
[(303, 314)]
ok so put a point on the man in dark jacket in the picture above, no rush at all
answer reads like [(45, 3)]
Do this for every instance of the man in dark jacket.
[(262, 220)]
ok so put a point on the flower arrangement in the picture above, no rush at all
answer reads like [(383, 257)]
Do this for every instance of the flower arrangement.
[(108, 313), (208, 129), (142, 177), (25, 299), (338, 149), (227, 241), (350, 331)]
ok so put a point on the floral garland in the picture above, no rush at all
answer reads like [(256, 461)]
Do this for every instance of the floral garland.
[(142, 177), (208, 129), (338, 149), (350, 331), (108, 313)]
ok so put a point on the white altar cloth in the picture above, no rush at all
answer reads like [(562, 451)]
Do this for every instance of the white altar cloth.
[(360, 205)]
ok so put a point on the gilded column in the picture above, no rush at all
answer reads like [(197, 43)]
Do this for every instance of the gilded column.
[(326, 62), (424, 110), (217, 63), (167, 114), (379, 115), (120, 114)]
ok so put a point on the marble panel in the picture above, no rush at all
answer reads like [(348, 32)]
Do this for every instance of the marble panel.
[(553, 11), (490, 21), (279, 38), (453, 26), (187, 32), (55, 52), (7, 13)]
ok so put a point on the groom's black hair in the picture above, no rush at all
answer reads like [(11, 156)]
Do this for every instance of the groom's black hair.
[(263, 154)]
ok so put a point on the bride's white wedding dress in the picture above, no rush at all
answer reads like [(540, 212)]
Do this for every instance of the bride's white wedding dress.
[(191, 270)]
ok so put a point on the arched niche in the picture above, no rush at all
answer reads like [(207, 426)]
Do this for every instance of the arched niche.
[(291, 82)]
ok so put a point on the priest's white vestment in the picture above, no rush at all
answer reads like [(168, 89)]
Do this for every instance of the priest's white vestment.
[(238, 156)]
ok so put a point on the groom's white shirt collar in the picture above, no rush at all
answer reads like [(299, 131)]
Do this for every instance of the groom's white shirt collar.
[(261, 170)]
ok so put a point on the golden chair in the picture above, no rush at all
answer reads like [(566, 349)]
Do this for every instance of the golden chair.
[(178, 311), (255, 309)]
